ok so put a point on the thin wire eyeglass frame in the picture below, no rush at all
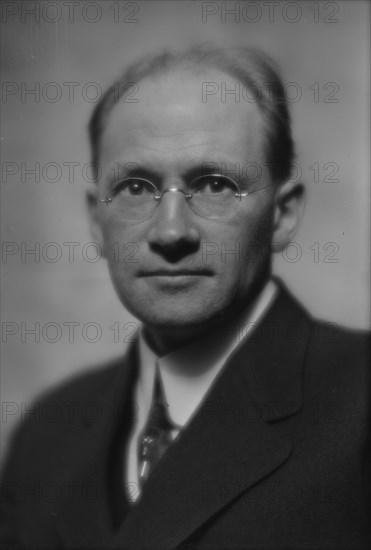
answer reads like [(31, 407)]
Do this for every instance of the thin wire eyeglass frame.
[(159, 194)]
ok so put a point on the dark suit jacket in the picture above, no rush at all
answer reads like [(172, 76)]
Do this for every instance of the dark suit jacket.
[(274, 459)]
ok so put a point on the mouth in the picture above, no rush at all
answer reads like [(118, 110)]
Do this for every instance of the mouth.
[(176, 273)]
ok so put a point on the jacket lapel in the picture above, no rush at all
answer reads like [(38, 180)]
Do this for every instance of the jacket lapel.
[(232, 442), (84, 517)]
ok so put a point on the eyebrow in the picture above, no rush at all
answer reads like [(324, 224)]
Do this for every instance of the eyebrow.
[(120, 172), (203, 169)]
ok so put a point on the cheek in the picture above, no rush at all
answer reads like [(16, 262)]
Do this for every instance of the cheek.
[(239, 247), (121, 249), (258, 239)]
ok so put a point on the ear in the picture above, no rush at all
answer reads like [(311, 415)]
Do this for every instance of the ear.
[(288, 211), (94, 218)]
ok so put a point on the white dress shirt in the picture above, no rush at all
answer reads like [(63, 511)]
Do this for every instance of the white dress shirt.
[(187, 374)]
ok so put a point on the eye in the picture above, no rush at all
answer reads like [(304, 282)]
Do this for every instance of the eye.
[(213, 185), (134, 187)]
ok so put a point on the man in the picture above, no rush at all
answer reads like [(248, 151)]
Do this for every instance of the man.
[(236, 420)]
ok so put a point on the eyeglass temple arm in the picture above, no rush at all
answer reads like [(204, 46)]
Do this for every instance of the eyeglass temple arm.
[(106, 199), (254, 191)]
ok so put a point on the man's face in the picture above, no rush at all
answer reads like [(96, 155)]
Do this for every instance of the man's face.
[(171, 134)]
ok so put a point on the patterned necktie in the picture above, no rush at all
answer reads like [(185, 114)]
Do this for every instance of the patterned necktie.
[(156, 435)]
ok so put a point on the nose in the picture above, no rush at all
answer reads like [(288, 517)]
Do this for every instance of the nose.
[(172, 227)]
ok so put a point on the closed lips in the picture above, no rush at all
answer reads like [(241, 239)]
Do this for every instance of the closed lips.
[(174, 273)]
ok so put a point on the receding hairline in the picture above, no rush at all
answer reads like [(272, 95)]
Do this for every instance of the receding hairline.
[(237, 62), (250, 66)]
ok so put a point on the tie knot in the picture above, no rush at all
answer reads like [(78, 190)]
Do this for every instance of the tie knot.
[(158, 418), (156, 435)]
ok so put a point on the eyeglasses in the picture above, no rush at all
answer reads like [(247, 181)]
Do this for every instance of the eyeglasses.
[(209, 196)]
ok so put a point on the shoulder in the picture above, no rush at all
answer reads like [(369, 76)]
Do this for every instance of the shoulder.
[(92, 381), (328, 338), (336, 380), (336, 358), (63, 399), (65, 410), (334, 346)]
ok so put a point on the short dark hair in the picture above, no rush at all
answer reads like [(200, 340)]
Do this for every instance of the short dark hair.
[(249, 66)]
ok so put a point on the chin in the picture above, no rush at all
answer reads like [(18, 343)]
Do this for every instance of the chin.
[(179, 316), (175, 319)]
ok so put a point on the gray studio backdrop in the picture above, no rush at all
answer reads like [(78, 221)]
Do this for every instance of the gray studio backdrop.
[(60, 313)]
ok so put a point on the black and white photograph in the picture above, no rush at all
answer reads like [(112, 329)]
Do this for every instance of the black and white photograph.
[(185, 266)]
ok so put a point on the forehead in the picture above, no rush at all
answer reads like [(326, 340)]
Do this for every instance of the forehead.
[(175, 124)]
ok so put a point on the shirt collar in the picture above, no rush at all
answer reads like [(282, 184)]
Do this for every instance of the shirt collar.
[(188, 373)]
